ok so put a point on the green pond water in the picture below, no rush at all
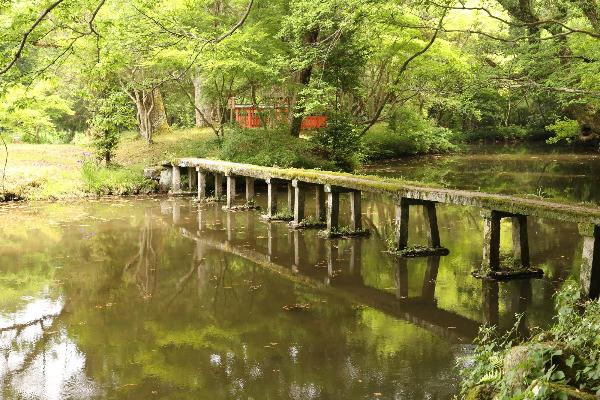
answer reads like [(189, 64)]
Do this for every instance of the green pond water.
[(164, 299), (536, 170)]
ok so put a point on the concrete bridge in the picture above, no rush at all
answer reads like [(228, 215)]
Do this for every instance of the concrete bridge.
[(327, 187)]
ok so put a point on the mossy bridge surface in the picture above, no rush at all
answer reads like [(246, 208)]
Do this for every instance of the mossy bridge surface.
[(328, 186)]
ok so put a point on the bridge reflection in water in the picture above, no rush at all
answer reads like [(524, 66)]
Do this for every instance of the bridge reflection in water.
[(336, 267)]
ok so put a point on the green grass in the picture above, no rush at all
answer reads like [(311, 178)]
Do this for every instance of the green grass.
[(55, 171), (177, 143), (115, 181)]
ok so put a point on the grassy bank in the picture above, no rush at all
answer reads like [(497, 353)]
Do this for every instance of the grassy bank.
[(56, 171)]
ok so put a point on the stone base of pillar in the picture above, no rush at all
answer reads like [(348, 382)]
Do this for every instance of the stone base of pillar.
[(507, 275), (308, 223), (344, 233), (212, 199), (182, 193), (421, 251), (242, 207), (590, 261), (279, 216)]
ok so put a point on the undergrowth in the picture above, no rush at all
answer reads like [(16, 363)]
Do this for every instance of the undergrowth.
[(272, 148), (100, 180), (561, 362)]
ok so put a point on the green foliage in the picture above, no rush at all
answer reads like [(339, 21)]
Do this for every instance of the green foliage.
[(101, 180), (567, 355), (272, 148), (406, 134), (339, 141), (29, 114), (510, 133), (564, 130), (112, 114)]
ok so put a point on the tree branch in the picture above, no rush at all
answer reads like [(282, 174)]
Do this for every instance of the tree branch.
[(38, 21), (519, 24), (401, 71)]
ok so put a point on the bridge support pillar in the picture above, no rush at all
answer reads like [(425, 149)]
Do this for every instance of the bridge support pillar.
[(290, 197), (590, 261), (298, 202), (201, 184), (176, 183), (249, 190), (355, 211), (320, 210), (490, 266), (520, 239), (491, 242), (333, 209), (230, 190), (218, 186), (192, 178), (272, 185), (271, 197), (333, 212), (433, 234)]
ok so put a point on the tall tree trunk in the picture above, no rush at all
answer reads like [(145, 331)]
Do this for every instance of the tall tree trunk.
[(151, 113), (296, 109), (202, 108)]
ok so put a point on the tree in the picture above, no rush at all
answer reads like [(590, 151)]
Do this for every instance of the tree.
[(111, 116), (30, 114)]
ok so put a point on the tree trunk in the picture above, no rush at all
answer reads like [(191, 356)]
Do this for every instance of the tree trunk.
[(303, 79), (201, 106), (151, 113), (296, 109)]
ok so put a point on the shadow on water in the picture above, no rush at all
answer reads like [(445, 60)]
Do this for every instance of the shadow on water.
[(164, 298)]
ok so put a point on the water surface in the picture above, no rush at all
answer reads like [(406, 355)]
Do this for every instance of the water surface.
[(542, 171), (163, 298)]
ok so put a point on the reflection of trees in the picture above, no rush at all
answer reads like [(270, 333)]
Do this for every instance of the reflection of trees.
[(144, 262), (29, 342)]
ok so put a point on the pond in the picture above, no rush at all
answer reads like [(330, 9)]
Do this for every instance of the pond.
[(538, 170), (167, 299)]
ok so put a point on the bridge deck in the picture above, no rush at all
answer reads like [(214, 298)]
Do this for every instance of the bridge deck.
[(400, 188)]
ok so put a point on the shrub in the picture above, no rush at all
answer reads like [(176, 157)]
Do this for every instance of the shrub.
[(564, 129), (340, 142), (271, 147), (512, 132), (407, 134), (501, 133), (553, 363), (101, 180)]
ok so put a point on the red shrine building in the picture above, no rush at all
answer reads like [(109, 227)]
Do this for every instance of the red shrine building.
[(246, 115)]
